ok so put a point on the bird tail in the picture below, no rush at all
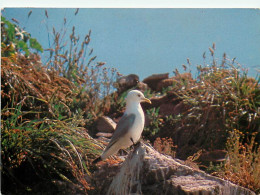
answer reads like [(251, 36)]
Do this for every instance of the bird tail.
[(97, 160)]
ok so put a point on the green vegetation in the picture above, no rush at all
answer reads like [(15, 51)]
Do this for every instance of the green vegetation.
[(46, 149), (243, 164), (220, 110), (154, 124), (46, 112), (14, 39)]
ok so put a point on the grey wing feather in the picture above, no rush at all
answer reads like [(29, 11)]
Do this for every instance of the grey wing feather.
[(125, 123)]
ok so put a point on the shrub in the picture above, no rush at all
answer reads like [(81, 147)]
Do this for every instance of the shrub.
[(165, 146), (154, 123), (242, 166), (49, 150), (220, 111), (14, 39), (223, 113), (220, 99), (71, 57), (45, 110)]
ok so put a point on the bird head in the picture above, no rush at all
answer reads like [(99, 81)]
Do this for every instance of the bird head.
[(136, 96)]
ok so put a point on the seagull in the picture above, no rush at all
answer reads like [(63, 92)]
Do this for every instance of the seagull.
[(129, 128)]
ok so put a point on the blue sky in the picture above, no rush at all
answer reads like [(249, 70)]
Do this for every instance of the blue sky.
[(151, 41)]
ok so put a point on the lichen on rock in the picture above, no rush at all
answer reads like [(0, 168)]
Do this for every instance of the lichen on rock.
[(146, 171)]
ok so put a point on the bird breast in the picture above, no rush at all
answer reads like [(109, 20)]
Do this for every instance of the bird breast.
[(138, 125)]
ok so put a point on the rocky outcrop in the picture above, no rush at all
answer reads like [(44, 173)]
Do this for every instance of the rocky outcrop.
[(103, 177), (142, 86), (101, 134), (153, 80), (126, 82), (213, 156), (105, 124), (169, 104), (158, 82), (171, 108), (145, 171), (165, 83)]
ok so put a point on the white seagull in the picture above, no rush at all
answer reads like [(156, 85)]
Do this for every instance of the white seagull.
[(129, 128)]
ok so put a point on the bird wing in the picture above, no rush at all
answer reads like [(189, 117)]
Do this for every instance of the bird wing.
[(123, 126)]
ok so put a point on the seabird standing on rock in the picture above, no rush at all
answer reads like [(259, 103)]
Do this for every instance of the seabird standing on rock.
[(129, 128)]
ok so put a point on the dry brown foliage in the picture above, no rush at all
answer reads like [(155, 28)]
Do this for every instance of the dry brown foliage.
[(26, 81), (242, 166), (165, 146)]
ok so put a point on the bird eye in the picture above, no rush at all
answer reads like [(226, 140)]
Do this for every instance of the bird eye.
[(139, 95)]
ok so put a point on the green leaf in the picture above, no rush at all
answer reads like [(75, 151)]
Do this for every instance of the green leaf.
[(34, 44), (10, 30), (22, 45)]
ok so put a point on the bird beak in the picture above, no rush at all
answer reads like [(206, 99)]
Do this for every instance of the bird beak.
[(147, 100)]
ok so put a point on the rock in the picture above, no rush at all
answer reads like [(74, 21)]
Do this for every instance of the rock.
[(167, 109), (103, 177), (103, 140), (169, 81), (169, 104), (185, 76), (172, 109), (147, 120), (105, 124), (213, 156), (101, 134), (126, 82), (142, 86), (146, 171), (165, 83), (158, 100), (153, 80)]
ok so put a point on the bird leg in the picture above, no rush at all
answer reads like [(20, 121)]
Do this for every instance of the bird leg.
[(132, 140), (135, 144), (123, 152)]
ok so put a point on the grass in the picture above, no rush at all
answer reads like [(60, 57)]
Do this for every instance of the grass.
[(219, 100), (47, 149), (46, 114), (242, 166), (220, 111), (154, 125)]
